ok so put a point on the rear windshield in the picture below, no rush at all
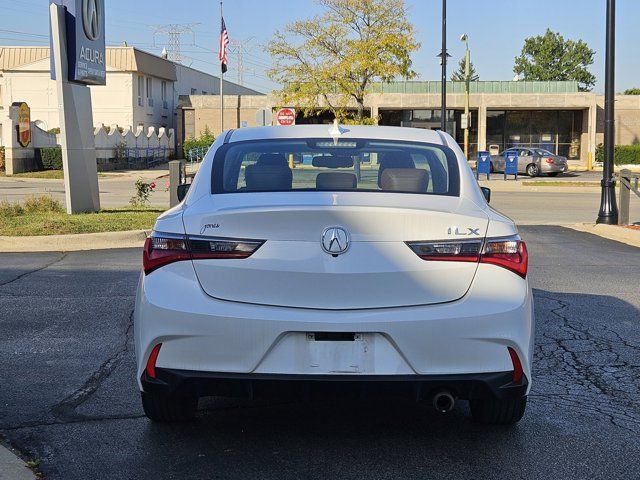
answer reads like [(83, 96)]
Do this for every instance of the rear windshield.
[(325, 165)]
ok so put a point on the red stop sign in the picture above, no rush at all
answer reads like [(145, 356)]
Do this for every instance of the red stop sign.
[(286, 117)]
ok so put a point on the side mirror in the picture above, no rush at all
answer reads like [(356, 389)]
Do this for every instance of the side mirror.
[(486, 191), (182, 191)]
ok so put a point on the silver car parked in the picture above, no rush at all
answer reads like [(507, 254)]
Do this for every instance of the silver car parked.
[(532, 161)]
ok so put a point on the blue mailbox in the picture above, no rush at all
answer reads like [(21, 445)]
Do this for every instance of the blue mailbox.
[(484, 165), (510, 163)]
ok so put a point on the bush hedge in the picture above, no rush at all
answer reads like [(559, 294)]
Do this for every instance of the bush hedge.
[(2, 165), (51, 158), (623, 154), (205, 140)]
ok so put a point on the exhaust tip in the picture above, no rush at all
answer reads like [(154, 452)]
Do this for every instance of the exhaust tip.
[(443, 401)]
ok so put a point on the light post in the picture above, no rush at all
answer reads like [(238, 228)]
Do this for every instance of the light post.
[(608, 213), (443, 59), (467, 74)]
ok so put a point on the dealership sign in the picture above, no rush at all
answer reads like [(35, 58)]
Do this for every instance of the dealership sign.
[(84, 20), (286, 117), (24, 123)]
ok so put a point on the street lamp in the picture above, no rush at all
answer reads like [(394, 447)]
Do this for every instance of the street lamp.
[(608, 213), (443, 61), (467, 74)]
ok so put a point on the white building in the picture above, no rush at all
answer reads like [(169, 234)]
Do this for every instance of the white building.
[(142, 89)]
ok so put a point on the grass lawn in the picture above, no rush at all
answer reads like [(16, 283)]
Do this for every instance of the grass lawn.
[(51, 174), (56, 223)]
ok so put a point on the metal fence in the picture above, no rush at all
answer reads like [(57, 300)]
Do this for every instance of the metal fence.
[(628, 184), (197, 154)]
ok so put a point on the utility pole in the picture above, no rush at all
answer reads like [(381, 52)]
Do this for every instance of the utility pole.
[(608, 213), (174, 34)]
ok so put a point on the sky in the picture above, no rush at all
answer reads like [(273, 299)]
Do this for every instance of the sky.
[(496, 30)]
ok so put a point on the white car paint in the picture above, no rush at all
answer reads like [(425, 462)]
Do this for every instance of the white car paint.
[(414, 317)]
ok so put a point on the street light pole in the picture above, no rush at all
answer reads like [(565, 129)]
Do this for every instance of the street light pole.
[(467, 79), (608, 213), (443, 110)]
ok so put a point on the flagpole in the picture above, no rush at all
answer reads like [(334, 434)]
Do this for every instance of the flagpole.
[(221, 84)]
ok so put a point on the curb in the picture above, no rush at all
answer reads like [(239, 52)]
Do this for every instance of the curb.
[(611, 232), (75, 242), (12, 467)]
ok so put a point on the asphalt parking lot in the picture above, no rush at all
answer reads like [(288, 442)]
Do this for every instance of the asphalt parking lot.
[(68, 396)]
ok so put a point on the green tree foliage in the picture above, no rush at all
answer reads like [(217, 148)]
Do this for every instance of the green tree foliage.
[(632, 91), (329, 62), (459, 76), (205, 140), (551, 57)]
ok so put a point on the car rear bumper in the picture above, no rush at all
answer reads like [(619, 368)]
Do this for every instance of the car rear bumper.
[(198, 333), (552, 168), (258, 386)]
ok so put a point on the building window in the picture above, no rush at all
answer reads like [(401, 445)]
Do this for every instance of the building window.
[(150, 91), (163, 88), (140, 90)]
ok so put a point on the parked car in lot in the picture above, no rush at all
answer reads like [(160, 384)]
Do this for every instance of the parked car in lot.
[(532, 161), (390, 275)]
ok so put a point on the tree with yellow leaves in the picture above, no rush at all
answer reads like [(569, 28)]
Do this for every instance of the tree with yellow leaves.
[(333, 60)]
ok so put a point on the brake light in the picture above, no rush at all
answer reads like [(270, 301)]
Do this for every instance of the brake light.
[(549, 160), (163, 248), (510, 253)]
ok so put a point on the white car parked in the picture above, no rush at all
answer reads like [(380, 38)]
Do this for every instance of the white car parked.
[(315, 257)]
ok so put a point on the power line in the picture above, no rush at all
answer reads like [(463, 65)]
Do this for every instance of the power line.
[(240, 48)]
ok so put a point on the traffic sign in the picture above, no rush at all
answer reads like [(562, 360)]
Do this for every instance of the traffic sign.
[(264, 117), (286, 117)]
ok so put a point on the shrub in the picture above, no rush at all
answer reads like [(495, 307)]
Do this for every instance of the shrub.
[(2, 165), (42, 204), (623, 154), (51, 158), (143, 192), (205, 140), (8, 209), (55, 130)]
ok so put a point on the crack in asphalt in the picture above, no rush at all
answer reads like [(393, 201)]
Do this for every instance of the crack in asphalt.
[(31, 272), (587, 385), (65, 410)]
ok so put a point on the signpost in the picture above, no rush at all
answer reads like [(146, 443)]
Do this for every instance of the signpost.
[(286, 117), (511, 163), (484, 165), (24, 124), (264, 117), (78, 60)]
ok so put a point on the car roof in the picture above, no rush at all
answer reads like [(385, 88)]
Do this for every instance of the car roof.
[(347, 131)]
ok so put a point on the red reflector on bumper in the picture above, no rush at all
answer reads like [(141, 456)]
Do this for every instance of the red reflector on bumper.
[(151, 362), (518, 373)]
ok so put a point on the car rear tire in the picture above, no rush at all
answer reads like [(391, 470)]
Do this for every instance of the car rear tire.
[(532, 170), (553, 174), (498, 412), (169, 408)]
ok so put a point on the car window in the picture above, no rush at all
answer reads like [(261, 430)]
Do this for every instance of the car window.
[(325, 165)]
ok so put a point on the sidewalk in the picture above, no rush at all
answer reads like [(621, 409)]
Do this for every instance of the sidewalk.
[(12, 467)]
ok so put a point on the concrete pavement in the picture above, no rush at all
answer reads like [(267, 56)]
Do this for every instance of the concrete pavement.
[(69, 396)]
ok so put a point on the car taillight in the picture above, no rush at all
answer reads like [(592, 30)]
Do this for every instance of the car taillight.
[(151, 361), (509, 253), (458, 251), (518, 372), (163, 248), (549, 160)]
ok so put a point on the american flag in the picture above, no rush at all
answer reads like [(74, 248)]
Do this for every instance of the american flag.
[(222, 50)]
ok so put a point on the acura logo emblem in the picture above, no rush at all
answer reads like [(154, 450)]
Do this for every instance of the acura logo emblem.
[(90, 18), (335, 240)]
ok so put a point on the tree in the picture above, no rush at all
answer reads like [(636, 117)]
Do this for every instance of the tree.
[(551, 57), (459, 76), (632, 91), (331, 61)]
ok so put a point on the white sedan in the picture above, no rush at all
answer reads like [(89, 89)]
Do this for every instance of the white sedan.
[(314, 258)]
